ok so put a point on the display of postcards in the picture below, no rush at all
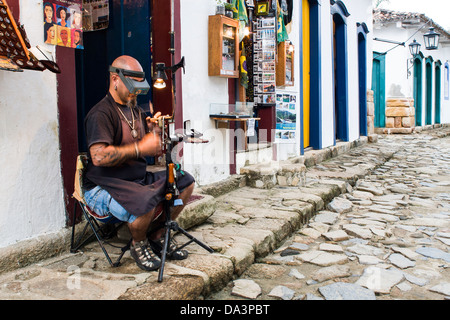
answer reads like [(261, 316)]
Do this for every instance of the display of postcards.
[(259, 88), (268, 77), (268, 45), (268, 55), (268, 98), (258, 56), (268, 88), (285, 135), (257, 78), (266, 23), (267, 34), (262, 66), (268, 66), (257, 45)]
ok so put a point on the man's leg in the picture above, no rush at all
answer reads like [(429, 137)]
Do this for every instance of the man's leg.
[(157, 237), (103, 204), (140, 226), (185, 195), (140, 247)]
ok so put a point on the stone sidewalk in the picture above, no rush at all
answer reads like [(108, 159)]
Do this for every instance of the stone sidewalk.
[(387, 238), (243, 225)]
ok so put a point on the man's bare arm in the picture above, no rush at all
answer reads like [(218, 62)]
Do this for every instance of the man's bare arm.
[(104, 155)]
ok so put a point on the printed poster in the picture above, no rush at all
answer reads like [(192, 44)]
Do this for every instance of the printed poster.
[(95, 15), (63, 23), (286, 114)]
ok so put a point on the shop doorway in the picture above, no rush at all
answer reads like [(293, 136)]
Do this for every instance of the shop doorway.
[(340, 77), (129, 32), (315, 74), (418, 88), (429, 90), (362, 75), (379, 89), (437, 95)]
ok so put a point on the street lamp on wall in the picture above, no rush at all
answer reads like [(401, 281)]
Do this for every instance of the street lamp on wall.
[(160, 76), (414, 49), (431, 39)]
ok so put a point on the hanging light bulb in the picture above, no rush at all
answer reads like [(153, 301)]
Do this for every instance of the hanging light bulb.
[(159, 84), (246, 31), (160, 76), (291, 47)]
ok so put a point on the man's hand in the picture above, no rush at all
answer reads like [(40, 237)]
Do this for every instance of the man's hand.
[(150, 145), (151, 121)]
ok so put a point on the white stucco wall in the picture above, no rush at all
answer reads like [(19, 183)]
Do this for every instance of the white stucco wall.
[(292, 148), (360, 12), (31, 191), (327, 75), (210, 162)]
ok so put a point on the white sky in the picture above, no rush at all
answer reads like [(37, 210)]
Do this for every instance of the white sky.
[(437, 10)]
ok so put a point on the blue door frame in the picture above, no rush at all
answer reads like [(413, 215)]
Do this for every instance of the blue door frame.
[(362, 31), (379, 89), (418, 88), (315, 124), (429, 90), (438, 91), (339, 14)]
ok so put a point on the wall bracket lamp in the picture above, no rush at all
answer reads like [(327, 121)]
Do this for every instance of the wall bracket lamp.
[(414, 49), (160, 76), (431, 39)]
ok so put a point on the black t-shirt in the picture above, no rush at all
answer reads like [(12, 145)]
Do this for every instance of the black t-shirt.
[(137, 190), (104, 125), (129, 184)]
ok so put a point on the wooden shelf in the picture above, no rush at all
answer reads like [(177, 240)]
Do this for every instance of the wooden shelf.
[(222, 45), (285, 65)]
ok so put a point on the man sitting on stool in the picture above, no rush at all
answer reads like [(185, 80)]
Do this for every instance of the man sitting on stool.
[(119, 136)]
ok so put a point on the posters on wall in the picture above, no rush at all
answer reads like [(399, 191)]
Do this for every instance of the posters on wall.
[(264, 64), (95, 15), (286, 114), (66, 20), (63, 23)]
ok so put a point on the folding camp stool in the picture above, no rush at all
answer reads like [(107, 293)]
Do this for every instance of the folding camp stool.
[(103, 228)]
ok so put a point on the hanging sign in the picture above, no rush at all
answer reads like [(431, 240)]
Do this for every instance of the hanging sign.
[(63, 23)]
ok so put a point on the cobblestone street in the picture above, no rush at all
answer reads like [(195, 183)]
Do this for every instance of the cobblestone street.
[(370, 222), (387, 237)]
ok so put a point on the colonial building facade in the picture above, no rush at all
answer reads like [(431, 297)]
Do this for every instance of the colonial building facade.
[(309, 71), (410, 91)]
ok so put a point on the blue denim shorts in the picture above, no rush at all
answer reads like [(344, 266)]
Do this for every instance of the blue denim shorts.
[(101, 202)]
